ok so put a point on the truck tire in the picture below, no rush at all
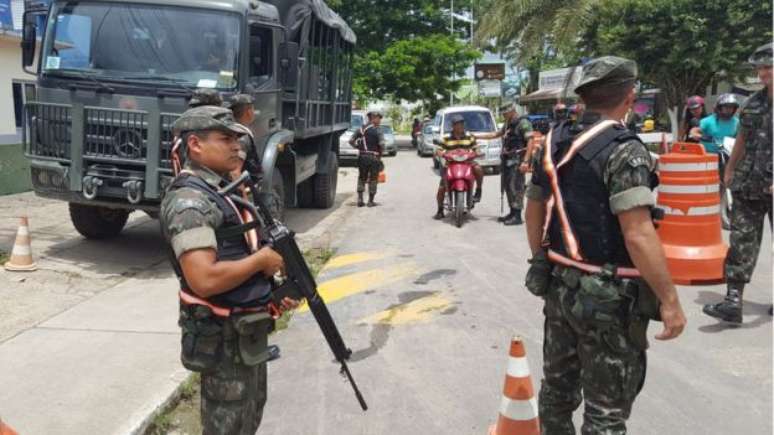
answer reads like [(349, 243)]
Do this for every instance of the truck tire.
[(98, 222), (325, 184), (277, 206), (305, 193)]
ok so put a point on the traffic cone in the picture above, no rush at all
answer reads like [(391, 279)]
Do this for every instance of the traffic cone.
[(6, 430), (21, 255), (518, 409)]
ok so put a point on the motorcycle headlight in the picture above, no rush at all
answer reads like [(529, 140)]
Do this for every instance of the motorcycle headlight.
[(460, 158)]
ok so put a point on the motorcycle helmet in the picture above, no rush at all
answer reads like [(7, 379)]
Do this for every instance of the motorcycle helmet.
[(762, 56), (694, 102), (560, 111), (726, 100)]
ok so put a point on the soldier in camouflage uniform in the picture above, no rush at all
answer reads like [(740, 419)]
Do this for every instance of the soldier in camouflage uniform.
[(369, 140), (242, 105), (205, 97), (599, 264), (748, 175), (224, 286)]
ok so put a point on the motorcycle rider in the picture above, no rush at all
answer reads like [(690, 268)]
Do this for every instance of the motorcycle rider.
[(721, 124), (458, 138), (692, 115)]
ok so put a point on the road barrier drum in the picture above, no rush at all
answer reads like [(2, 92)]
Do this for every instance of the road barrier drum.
[(689, 194)]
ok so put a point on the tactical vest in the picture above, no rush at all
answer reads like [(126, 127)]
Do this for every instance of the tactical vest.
[(232, 245), (586, 199), (514, 141), (370, 138), (752, 175)]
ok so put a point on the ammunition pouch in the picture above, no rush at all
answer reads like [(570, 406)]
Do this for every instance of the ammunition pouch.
[(598, 301), (538, 277), (202, 338), (252, 331)]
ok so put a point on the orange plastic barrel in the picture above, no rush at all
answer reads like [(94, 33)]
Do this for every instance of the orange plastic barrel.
[(689, 194)]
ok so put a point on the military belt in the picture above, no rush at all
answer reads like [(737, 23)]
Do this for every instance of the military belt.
[(189, 299), (621, 272)]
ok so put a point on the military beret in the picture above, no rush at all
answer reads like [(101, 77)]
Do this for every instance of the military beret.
[(607, 70), (240, 99), (209, 118), (761, 56), (205, 97)]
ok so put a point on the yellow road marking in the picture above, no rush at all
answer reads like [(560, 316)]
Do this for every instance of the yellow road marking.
[(350, 259), (418, 311), (354, 283)]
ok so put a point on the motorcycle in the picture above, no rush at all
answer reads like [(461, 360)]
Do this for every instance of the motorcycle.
[(460, 180)]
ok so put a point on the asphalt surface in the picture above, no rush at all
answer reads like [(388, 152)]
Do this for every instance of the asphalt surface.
[(428, 310)]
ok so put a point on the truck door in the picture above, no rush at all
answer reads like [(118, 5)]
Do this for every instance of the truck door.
[(262, 79)]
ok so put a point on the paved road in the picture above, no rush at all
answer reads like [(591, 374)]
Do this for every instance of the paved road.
[(429, 309)]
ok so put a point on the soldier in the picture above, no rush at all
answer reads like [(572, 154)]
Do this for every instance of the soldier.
[(226, 312), (244, 112), (458, 138), (369, 140), (205, 97), (599, 264), (748, 175)]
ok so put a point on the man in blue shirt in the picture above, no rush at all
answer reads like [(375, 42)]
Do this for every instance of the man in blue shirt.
[(723, 123)]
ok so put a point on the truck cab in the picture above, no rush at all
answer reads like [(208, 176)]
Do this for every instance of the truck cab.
[(113, 76)]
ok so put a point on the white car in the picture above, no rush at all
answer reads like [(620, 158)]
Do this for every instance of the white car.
[(348, 154), (478, 119)]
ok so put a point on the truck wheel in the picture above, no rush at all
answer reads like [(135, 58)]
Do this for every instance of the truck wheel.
[(325, 184), (97, 222), (277, 206), (305, 193)]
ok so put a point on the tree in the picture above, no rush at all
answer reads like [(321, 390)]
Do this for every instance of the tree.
[(418, 69), (681, 46)]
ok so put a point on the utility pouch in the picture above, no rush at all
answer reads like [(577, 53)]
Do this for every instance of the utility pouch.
[(598, 300), (647, 305), (253, 331), (538, 277), (202, 339)]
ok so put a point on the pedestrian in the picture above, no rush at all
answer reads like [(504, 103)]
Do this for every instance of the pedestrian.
[(226, 312), (748, 175), (599, 263), (516, 133), (369, 140), (416, 129), (205, 97), (694, 112), (242, 106), (456, 139)]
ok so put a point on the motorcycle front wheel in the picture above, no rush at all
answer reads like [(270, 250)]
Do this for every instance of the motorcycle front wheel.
[(459, 208)]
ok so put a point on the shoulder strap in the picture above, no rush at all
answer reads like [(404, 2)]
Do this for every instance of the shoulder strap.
[(611, 136)]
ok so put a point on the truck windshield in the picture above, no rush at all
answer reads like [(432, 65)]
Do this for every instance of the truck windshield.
[(134, 42)]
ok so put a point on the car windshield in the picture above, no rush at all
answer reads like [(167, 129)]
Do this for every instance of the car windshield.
[(478, 121), (151, 44), (386, 129), (356, 121)]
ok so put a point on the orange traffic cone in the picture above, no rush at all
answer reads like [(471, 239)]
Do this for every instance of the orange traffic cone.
[(690, 231), (6, 430), (21, 255), (518, 409)]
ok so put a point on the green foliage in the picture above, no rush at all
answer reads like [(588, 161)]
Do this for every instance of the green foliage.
[(418, 69), (681, 46)]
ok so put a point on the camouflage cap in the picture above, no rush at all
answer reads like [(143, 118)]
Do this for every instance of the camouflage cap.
[(607, 70), (205, 97), (240, 99), (762, 56), (209, 118)]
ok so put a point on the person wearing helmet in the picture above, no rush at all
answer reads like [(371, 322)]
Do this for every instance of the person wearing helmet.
[(458, 138), (693, 114), (219, 275), (748, 176), (721, 124)]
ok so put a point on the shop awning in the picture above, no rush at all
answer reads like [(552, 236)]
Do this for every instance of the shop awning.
[(547, 94)]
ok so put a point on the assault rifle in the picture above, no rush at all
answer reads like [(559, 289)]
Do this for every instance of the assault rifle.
[(299, 283)]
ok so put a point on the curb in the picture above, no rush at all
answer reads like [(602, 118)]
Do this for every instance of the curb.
[(318, 237)]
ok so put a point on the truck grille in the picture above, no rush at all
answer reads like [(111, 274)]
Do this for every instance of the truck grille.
[(167, 136), (48, 132), (116, 135)]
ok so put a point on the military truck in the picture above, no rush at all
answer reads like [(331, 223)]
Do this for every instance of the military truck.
[(114, 75)]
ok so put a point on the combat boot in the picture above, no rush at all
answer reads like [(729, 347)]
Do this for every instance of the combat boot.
[(439, 215), (360, 202), (730, 310), (515, 219), (477, 195), (371, 202), (508, 216)]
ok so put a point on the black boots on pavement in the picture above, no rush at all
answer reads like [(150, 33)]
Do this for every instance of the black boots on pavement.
[(512, 218), (730, 310), (477, 195), (371, 202), (360, 201), (439, 215)]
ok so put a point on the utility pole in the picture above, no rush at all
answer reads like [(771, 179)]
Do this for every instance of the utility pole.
[(451, 18)]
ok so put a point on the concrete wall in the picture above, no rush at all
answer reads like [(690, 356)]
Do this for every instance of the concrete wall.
[(10, 69), (14, 170)]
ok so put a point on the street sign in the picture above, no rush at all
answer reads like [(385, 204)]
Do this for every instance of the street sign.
[(489, 71), (490, 88)]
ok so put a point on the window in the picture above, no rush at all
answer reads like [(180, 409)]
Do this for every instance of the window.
[(22, 91), (261, 55), (479, 121)]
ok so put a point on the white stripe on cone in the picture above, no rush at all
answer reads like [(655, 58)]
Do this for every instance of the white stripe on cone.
[(693, 211), (23, 231), (688, 167), (519, 409), (518, 367), (21, 250), (689, 188)]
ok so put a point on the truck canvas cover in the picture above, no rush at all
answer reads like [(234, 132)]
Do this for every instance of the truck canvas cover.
[(298, 11)]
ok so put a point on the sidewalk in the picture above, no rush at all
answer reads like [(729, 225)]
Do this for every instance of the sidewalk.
[(108, 363)]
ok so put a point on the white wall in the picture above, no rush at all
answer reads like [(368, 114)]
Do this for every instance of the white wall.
[(10, 69)]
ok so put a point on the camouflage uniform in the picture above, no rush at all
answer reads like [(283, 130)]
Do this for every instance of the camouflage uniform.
[(250, 152), (233, 389), (601, 362), (369, 161), (512, 156), (205, 97)]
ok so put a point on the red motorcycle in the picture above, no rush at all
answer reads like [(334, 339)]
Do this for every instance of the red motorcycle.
[(460, 180)]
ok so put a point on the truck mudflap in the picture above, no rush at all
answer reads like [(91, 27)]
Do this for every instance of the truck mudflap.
[(271, 154)]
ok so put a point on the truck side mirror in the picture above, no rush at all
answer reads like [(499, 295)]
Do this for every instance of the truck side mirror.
[(29, 38), (289, 63)]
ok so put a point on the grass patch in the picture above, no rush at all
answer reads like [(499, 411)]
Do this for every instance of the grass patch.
[(182, 416), (4, 257)]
